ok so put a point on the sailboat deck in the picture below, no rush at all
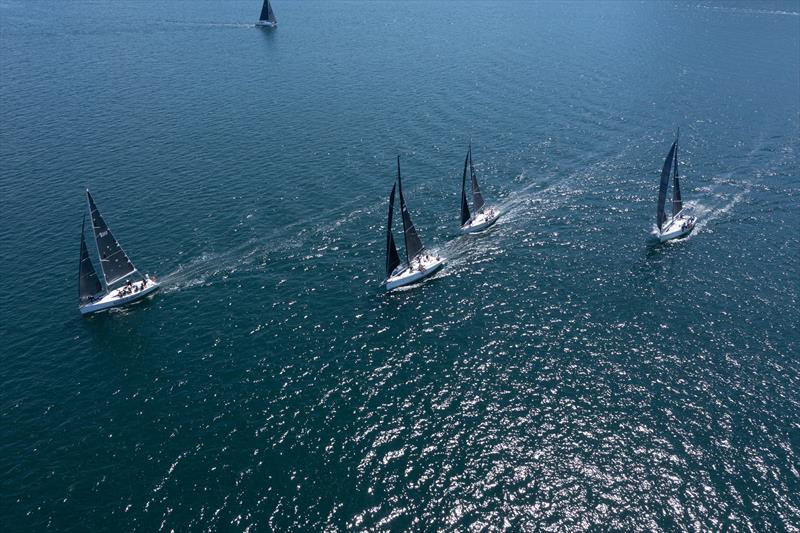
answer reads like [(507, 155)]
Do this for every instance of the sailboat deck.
[(121, 296), (481, 221), (419, 268), (677, 226)]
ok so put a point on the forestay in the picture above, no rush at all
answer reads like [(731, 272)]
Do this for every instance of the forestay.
[(677, 204), (662, 191), (392, 258), (88, 283), (465, 215), (113, 261), (413, 243), (267, 13), (477, 197)]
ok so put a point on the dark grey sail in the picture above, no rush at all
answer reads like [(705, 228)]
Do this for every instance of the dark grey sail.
[(465, 216), (113, 261), (662, 191), (677, 204), (267, 14), (88, 283), (413, 243), (392, 258), (477, 197)]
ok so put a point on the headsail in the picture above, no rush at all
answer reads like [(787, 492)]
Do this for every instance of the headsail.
[(267, 14), (413, 243), (677, 204), (464, 205), (392, 259), (88, 284), (662, 191), (113, 261), (477, 197)]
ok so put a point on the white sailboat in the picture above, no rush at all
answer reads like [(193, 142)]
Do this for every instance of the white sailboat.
[(481, 217), (679, 224), (267, 18), (117, 270), (419, 263)]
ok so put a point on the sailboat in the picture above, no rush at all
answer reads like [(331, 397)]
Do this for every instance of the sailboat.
[(116, 267), (267, 18), (679, 224), (481, 217), (419, 263)]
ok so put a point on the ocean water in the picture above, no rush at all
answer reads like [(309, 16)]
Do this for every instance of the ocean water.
[(564, 371)]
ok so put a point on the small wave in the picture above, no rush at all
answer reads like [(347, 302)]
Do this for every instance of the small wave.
[(706, 209), (749, 11), (210, 24), (707, 213), (200, 270)]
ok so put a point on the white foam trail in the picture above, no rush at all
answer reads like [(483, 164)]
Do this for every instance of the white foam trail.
[(750, 11), (461, 251), (199, 270), (707, 213), (211, 24)]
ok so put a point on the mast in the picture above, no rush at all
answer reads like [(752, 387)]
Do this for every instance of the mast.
[(464, 205), (413, 243), (392, 259), (477, 197), (266, 13), (88, 283), (113, 261), (264, 10), (677, 204), (662, 191)]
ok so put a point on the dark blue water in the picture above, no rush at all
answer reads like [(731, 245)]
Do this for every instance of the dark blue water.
[(563, 372)]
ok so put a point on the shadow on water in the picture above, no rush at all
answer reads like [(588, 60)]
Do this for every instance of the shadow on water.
[(655, 260), (112, 331), (267, 33), (655, 249)]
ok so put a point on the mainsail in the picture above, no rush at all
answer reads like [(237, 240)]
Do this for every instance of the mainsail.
[(88, 284), (413, 243), (477, 197), (662, 191), (677, 204), (392, 259), (464, 205), (113, 261), (267, 13)]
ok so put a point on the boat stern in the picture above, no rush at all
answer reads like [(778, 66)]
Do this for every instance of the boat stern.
[(417, 271), (482, 222), (121, 296), (677, 228)]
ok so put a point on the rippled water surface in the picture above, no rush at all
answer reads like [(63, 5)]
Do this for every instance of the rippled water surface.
[(563, 371)]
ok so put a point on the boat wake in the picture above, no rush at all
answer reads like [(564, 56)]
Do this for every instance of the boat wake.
[(201, 270), (707, 213), (324, 232), (750, 11), (717, 203), (210, 24), (469, 252)]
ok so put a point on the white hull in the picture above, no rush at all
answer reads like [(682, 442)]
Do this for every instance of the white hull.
[(481, 221), (118, 298), (265, 24), (420, 268), (677, 227)]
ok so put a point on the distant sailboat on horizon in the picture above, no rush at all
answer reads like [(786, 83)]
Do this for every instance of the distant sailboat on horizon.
[(678, 225), (116, 268), (481, 218), (267, 18), (419, 264)]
